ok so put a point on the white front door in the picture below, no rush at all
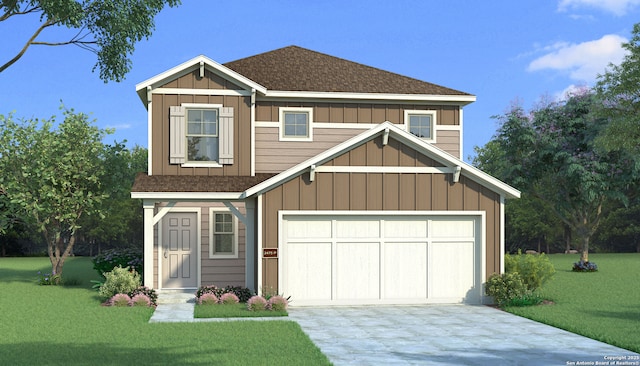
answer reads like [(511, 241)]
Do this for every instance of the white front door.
[(178, 251), (381, 259)]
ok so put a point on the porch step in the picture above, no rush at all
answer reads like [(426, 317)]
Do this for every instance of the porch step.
[(176, 297)]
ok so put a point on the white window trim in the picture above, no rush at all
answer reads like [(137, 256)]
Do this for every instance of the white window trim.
[(307, 110), (212, 254), (195, 164), (434, 121)]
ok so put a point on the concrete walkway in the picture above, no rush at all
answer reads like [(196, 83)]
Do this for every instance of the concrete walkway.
[(426, 335)]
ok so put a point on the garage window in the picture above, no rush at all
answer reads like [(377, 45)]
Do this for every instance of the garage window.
[(223, 237)]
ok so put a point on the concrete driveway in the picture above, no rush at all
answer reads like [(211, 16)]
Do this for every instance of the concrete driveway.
[(447, 335)]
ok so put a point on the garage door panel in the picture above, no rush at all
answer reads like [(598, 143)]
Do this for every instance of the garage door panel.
[(309, 228), (405, 228), (405, 271), (347, 259), (357, 271), (452, 270), (311, 264), (453, 227), (351, 228)]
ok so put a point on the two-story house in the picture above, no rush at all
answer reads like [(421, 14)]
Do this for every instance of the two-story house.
[(320, 178)]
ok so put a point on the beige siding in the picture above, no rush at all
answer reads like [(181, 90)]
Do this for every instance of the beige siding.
[(192, 80), (380, 191), (449, 141), (218, 271), (273, 156)]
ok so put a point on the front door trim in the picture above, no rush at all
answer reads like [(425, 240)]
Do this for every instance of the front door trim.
[(197, 211)]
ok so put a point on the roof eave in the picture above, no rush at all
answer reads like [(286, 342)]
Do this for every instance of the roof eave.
[(439, 155), (187, 196), (457, 99), (188, 66)]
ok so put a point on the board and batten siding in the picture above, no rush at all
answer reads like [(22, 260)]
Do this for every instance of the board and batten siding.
[(161, 130), (378, 192), (357, 112)]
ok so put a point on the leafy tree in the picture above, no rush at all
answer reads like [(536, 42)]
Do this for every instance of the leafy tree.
[(53, 176), (619, 88), (109, 28), (550, 153), (120, 220)]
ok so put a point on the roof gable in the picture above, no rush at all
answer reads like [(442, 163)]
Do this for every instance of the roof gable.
[(295, 68), (439, 157)]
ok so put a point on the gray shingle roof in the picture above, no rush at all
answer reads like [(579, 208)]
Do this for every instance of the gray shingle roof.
[(295, 68)]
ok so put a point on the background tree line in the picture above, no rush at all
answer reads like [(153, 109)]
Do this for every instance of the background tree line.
[(577, 163)]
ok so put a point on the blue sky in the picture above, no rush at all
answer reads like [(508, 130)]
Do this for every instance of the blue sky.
[(501, 51)]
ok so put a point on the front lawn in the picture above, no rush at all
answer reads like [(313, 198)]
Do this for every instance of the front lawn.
[(65, 325), (603, 305)]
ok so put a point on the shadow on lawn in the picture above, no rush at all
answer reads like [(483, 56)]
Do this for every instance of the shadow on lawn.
[(51, 353), (632, 314), (21, 275)]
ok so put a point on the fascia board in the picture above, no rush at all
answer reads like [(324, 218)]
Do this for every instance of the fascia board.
[(188, 66), (187, 196), (457, 99)]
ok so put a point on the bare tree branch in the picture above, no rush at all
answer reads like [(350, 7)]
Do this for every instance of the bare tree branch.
[(9, 13), (44, 25)]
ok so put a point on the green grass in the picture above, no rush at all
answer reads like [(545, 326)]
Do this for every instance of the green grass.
[(603, 305), (232, 311), (65, 325)]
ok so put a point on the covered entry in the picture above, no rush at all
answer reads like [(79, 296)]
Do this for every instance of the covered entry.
[(344, 258)]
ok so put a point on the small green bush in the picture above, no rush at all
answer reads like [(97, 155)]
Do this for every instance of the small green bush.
[(535, 269), (110, 259), (506, 287), (119, 281)]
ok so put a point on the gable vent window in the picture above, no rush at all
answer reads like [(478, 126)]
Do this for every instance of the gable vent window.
[(421, 124), (296, 124)]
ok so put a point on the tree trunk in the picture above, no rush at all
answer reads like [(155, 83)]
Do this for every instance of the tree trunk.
[(567, 237), (584, 253), (57, 258)]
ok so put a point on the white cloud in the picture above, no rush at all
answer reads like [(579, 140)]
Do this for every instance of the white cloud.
[(616, 7), (121, 126), (570, 90), (582, 61)]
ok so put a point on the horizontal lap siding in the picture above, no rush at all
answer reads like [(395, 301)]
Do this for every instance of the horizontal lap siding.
[(273, 156), (448, 141), (380, 191)]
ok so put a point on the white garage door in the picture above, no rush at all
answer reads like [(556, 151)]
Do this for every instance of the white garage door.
[(380, 259)]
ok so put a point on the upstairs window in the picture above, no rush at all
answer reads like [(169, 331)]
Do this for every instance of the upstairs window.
[(202, 135), (296, 124), (421, 124)]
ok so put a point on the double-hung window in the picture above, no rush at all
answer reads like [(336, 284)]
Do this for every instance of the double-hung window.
[(202, 135), (421, 124), (223, 241), (296, 124)]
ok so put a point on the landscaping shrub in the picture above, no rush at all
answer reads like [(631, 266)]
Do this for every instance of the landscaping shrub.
[(110, 259), (534, 269), (119, 281), (277, 303), (583, 266), (148, 292), (120, 300), (243, 293), (140, 300), (506, 287), (229, 298), (256, 303), (46, 279), (207, 299)]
